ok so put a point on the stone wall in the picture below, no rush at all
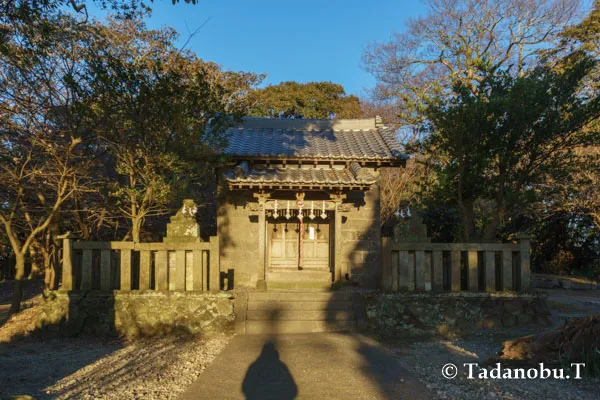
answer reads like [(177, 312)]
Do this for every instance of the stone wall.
[(134, 314), (237, 228), (361, 237), (450, 315)]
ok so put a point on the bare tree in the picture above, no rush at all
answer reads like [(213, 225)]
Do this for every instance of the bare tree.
[(462, 41), (39, 164)]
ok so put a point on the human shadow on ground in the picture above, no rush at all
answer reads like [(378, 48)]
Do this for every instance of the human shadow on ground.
[(268, 377)]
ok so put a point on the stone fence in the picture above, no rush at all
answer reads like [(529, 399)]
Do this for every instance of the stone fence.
[(476, 267), (106, 266)]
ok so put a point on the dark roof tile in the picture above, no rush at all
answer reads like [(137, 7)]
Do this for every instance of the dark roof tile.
[(356, 140)]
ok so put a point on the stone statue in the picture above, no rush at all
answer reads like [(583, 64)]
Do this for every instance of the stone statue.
[(410, 227), (183, 227), (187, 211)]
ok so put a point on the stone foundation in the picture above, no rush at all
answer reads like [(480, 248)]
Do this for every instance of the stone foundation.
[(135, 314), (450, 315)]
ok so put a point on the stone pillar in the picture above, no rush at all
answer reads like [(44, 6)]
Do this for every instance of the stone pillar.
[(261, 282), (67, 261), (338, 274), (525, 261)]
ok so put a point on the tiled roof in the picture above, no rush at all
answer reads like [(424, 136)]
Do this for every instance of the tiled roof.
[(352, 176), (348, 140)]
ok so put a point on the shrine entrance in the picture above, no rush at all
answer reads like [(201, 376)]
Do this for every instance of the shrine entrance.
[(296, 245)]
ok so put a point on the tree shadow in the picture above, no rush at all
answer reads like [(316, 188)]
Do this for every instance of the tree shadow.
[(31, 365), (268, 377)]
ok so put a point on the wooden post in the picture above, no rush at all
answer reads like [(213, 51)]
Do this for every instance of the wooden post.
[(86, 270), (214, 264), (455, 271), (507, 270), (490, 271), (419, 270), (161, 269), (524, 262), (125, 269), (386, 263), (145, 269), (197, 270), (67, 262), (404, 271), (180, 270), (472, 268), (437, 270), (105, 270)]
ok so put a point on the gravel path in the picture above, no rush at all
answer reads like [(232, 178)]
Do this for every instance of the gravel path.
[(86, 368), (426, 359)]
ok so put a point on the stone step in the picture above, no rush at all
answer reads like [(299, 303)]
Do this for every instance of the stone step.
[(295, 279), (296, 296), (281, 327), (300, 305), (304, 268), (300, 315), (294, 275), (285, 285)]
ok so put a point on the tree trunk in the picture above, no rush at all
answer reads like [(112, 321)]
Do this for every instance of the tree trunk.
[(465, 207), (136, 228), (49, 269), (34, 254), (15, 305)]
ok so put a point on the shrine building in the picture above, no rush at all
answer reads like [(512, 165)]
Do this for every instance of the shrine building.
[(299, 206)]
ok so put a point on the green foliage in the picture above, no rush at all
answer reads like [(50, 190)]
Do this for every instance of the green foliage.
[(161, 113), (305, 100), (504, 143)]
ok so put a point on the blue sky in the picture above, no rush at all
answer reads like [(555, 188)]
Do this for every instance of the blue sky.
[(304, 41)]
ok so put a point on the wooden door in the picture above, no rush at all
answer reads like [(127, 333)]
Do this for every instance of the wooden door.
[(282, 242), (316, 244)]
